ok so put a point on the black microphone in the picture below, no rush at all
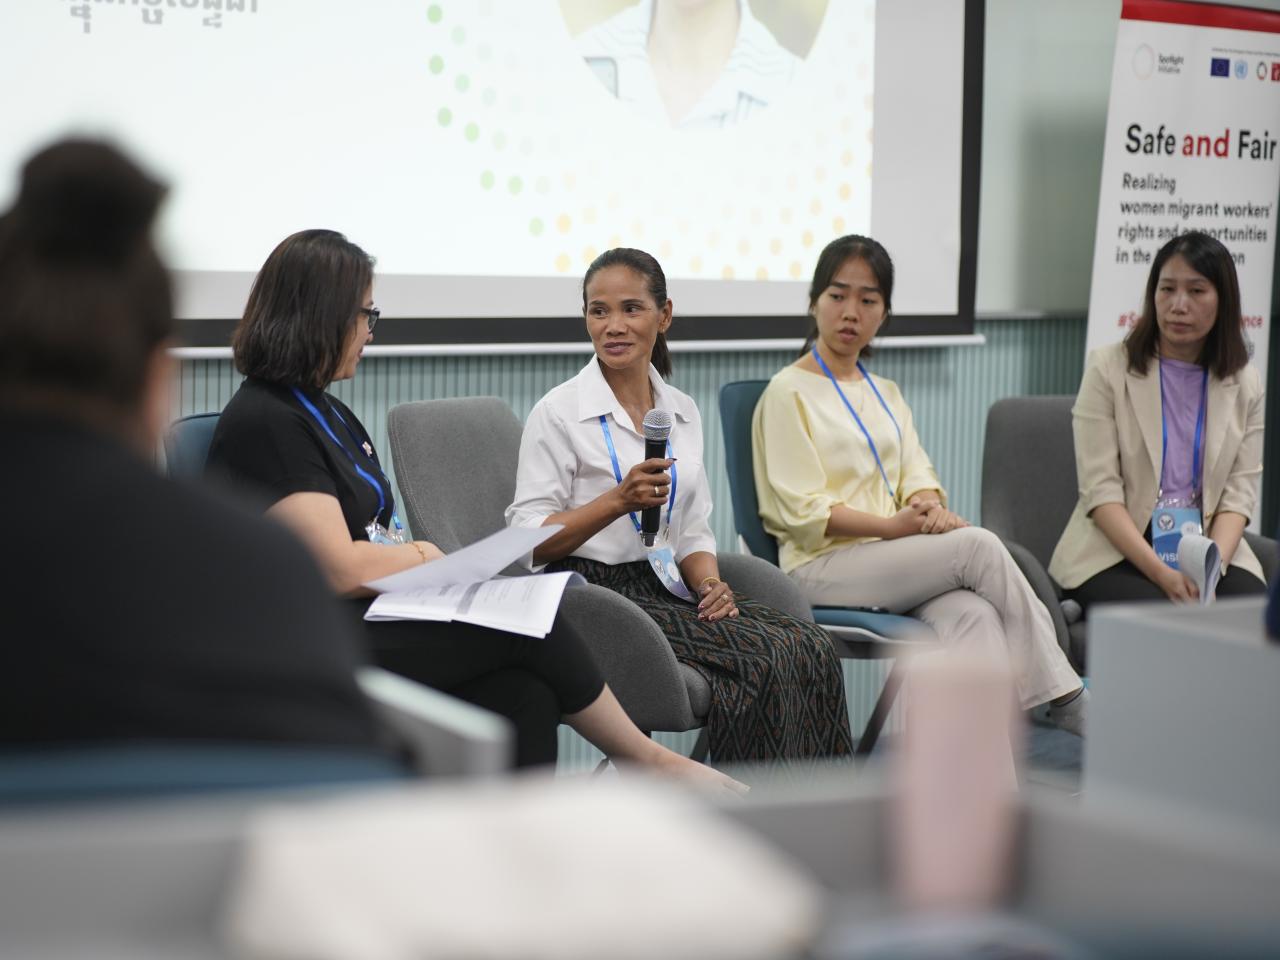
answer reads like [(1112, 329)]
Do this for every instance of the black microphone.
[(656, 427)]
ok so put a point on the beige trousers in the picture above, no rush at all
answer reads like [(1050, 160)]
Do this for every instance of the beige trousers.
[(965, 585)]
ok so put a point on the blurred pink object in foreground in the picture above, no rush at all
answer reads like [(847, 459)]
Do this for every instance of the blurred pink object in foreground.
[(956, 784)]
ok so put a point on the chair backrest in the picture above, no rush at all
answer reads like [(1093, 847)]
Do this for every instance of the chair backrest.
[(1029, 471), (455, 463), (186, 445), (737, 406)]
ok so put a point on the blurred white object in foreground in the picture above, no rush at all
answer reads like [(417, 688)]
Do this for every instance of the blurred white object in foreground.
[(530, 869)]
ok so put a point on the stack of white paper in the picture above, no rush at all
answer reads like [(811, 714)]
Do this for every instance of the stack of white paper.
[(458, 586)]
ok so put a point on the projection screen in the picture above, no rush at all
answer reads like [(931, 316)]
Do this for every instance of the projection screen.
[(484, 151)]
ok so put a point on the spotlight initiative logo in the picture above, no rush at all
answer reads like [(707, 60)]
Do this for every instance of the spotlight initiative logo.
[(1144, 61)]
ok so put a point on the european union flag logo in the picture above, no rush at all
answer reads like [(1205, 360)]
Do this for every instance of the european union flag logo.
[(1220, 67)]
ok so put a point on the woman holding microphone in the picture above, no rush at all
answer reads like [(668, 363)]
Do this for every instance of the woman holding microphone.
[(777, 690)]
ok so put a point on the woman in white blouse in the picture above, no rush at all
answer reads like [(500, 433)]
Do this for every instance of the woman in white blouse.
[(699, 66), (777, 690)]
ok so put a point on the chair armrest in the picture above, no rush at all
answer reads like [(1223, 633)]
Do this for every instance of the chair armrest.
[(762, 581), (447, 736), (1266, 550), (634, 655), (1046, 590)]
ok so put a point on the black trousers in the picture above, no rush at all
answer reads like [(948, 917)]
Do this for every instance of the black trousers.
[(1124, 582), (533, 681)]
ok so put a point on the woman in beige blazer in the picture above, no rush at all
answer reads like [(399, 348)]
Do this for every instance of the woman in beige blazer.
[(1174, 408)]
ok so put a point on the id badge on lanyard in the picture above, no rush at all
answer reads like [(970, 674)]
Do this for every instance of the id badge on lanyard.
[(662, 560), (661, 555), (377, 533), (893, 496), (1172, 520), (374, 530), (1178, 517)]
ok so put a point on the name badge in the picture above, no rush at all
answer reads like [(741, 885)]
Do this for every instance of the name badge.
[(1169, 524), (662, 560), (377, 533)]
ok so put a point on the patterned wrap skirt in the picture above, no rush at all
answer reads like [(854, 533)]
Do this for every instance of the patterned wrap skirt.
[(777, 689)]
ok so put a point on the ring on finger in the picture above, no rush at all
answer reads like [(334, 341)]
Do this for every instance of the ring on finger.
[(656, 491)]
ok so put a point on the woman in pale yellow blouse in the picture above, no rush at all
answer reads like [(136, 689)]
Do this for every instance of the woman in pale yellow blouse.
[(855, 504)]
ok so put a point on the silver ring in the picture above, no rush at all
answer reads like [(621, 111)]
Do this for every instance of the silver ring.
[(656, 491)]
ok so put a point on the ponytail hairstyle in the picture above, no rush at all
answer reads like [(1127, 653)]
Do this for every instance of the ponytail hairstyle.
[(86, 299), (649, 268), (833, 257)]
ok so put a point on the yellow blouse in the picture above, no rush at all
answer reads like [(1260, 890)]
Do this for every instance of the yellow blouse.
[(809, 455)]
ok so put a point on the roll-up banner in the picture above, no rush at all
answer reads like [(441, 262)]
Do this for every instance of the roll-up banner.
[(1191, 144)]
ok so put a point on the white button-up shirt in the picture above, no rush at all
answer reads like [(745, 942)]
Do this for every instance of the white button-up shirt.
[(757, 73), (565, 464)]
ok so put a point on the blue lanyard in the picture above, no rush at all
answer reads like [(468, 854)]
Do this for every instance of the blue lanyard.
[(364, 474), (617, 471), (1164, 432), (858, 420)]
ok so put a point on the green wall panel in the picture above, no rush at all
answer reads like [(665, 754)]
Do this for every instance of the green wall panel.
[(949, 390)]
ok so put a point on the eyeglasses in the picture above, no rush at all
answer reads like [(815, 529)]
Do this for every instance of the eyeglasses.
[(373, 313)]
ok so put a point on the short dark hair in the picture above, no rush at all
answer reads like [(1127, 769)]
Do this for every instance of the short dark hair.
[(834, 256), (301, 309), (86, 299), (649, 268), (1225, 351)]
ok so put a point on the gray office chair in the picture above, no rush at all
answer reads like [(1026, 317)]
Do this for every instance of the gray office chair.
[(455, 462), (1028, 492)]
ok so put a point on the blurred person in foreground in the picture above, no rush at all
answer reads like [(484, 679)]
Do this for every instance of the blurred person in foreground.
[(134, 610)]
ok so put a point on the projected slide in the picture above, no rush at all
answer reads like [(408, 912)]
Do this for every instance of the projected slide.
[(486, 150)]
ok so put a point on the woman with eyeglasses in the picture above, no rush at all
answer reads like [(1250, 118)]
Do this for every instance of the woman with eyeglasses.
[(286, 440)]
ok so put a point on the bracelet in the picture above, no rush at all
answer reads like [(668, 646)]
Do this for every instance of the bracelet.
[(705, 580), (417, 546)]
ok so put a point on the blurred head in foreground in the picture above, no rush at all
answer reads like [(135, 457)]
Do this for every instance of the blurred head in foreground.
[(87, 310)]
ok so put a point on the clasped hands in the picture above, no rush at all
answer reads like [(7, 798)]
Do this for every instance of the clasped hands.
[(926, 514)]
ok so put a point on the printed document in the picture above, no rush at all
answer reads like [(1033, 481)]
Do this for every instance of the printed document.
[(459, 586)]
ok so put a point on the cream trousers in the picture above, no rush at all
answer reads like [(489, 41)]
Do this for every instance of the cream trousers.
[(965, 585)]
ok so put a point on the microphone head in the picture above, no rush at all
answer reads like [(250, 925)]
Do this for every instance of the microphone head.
[(657, 425)]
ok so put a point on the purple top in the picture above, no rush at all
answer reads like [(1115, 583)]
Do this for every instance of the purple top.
[(1183, 388)]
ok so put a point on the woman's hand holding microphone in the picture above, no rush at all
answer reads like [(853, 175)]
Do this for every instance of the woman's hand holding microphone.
[(647, 484)]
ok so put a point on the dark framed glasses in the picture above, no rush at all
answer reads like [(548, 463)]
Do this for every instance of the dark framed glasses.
[(373, 313)]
